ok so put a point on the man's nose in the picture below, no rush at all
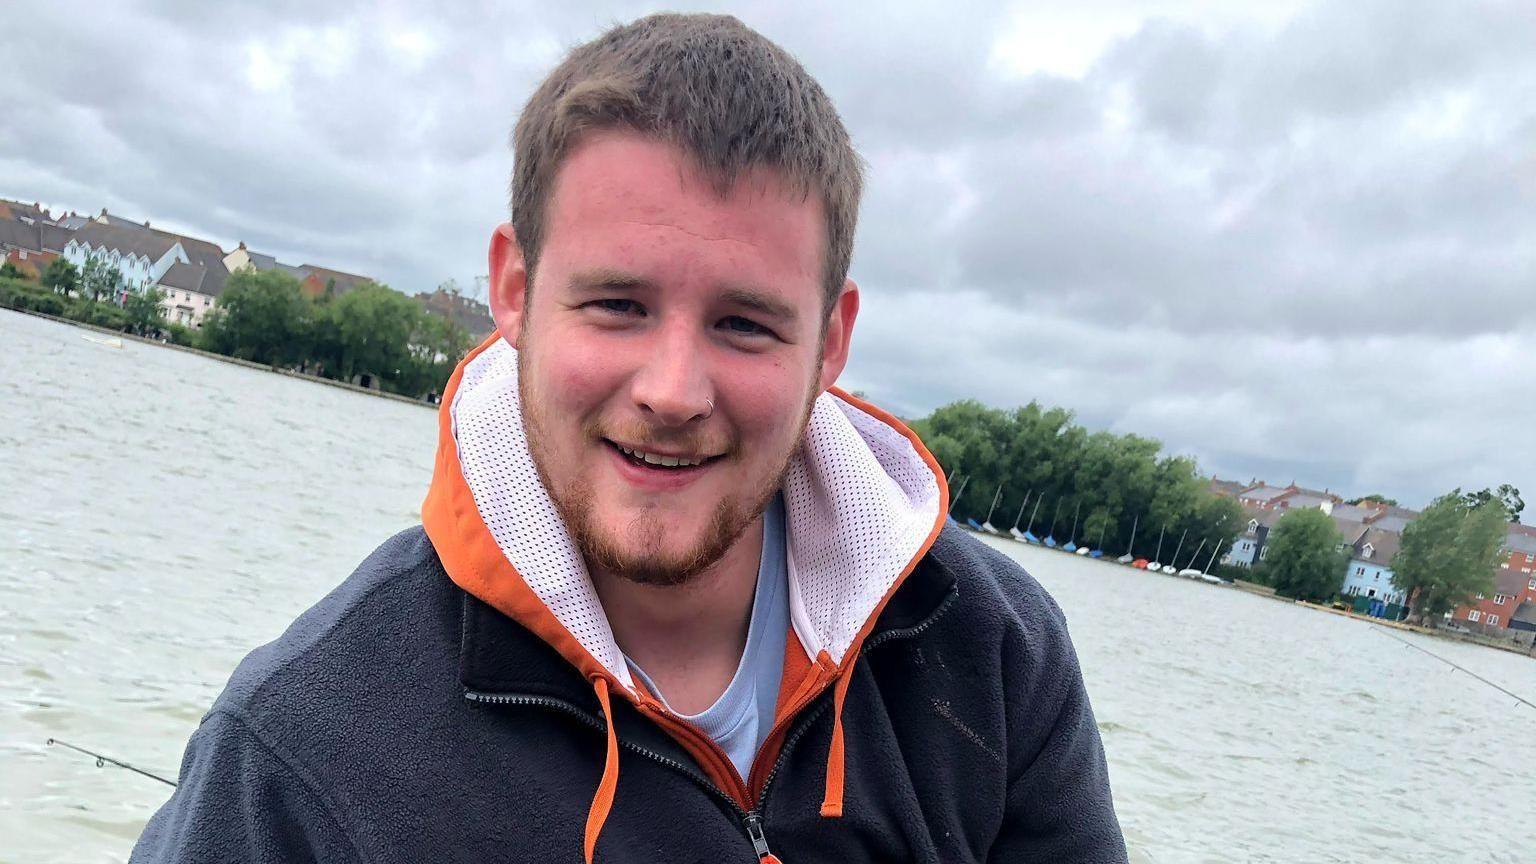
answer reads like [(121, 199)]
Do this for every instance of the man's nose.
[(672, 387)]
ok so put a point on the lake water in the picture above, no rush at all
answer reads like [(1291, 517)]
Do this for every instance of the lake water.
[(161, 514)]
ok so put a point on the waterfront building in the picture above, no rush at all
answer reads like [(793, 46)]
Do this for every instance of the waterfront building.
[(1250, 546), (471, 316), (1514, 585), (189, 271), (1368, 578)]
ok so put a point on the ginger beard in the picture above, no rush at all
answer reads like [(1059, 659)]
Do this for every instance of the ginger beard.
[(637, 553)]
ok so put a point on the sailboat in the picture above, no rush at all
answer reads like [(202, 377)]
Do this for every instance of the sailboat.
[(1170, 569), (1029, 530), (1071, 545), (1014, 531), (1050, 537), (986, 524), (956, 499), (1128, 557), (1190, 571), (1098, 548), (1157, 566), (1206, 573)]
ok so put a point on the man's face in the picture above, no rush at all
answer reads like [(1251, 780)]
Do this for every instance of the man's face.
[(667, 325)]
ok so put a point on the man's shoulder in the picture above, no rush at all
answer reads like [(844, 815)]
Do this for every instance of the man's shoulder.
[(993, 585), (397, 606)]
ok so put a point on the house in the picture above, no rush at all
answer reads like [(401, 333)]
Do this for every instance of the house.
[(30, 232), (1227, 488), (1369, 576), (141, 255), (1250, 546), (1264, 497), (190, 293), (190, 271), (1514, 585), (319, 281), (471, 316)]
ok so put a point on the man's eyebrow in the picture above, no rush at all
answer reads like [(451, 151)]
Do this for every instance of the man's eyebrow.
[(761, 303), (603, 279)]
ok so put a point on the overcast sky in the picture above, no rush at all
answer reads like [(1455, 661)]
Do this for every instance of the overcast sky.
[(1295, 240)]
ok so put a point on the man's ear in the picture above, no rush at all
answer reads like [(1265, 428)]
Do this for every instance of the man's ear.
[(834, 351), (509, 284)]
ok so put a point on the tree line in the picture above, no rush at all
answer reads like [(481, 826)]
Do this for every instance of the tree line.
[(1110, 485), (371, 334)]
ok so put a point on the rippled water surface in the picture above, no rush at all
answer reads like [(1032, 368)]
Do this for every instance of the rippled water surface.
[(161, 514)]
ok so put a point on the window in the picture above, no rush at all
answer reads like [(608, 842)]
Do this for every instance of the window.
[(1359, 571), (1531, 584), (1263, 553), (1501, 599), (1253, 525), (1492, 620), (1369, 550), (1247, 546), (1474, 616), (1371, 593), (1481, 597)]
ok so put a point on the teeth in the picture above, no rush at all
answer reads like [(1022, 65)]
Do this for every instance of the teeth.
[(663, 461)]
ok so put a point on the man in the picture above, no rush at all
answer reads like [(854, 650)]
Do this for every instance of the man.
[(675, 598)]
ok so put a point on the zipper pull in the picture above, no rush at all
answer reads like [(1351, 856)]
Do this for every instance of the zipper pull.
[(759, 842)]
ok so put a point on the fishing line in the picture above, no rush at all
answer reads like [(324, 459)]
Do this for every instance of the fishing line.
[(101, 761), (1377, 628)]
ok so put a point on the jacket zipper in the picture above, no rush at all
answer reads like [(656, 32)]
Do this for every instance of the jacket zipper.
[(751, 820)]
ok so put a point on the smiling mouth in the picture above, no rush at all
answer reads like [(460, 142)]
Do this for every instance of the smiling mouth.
[(658, 461)]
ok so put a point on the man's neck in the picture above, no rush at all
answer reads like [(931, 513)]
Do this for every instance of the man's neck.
[(688, 638)]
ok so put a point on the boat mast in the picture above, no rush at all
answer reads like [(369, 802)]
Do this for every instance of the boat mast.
[(1021, 510), (1052, 532), (1034, 513), (1197, 553), (961, 491), (1159, 552), (1175, 560), (1072, 538), (997, 495), (1131, 549), (1212, 559)]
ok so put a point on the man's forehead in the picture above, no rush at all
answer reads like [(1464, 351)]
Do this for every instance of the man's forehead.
[(631, 192)]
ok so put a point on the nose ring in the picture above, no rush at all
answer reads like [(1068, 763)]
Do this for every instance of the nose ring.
[(711, 408)]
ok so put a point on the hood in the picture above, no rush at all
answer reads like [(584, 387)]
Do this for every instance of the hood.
[(864, 500)]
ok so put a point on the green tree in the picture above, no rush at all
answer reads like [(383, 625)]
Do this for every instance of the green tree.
[(1505, 496), (1304, 560), (144, 312), (1373, 498), (1113, 482), (1449, 554), (372, 327), (61, 276), (261, 316), (11, 271), (99, 280)]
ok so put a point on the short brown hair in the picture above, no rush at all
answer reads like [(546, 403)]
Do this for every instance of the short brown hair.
[(710, 85)]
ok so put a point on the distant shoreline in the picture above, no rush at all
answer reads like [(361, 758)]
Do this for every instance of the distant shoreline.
[(225, 358)]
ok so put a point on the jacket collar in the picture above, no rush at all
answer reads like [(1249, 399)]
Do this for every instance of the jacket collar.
[(499, 655)]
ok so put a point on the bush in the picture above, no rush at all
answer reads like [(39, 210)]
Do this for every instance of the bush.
[(27, 296), (179, 334)]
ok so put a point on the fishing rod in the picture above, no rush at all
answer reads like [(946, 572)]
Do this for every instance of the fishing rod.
[(102, 761), (1516, 696)]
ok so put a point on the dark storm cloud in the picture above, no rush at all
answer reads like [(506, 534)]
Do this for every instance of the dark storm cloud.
[(1296, 245)]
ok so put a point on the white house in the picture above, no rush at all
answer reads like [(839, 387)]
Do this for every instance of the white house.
[(140, 254)]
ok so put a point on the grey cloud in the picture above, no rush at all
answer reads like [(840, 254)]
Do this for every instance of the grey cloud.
[(1305, 253)]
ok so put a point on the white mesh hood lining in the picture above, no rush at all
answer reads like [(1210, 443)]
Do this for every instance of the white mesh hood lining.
[(859, 499)]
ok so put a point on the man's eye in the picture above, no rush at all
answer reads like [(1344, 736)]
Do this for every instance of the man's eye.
[(620, 306), (738, 324)]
